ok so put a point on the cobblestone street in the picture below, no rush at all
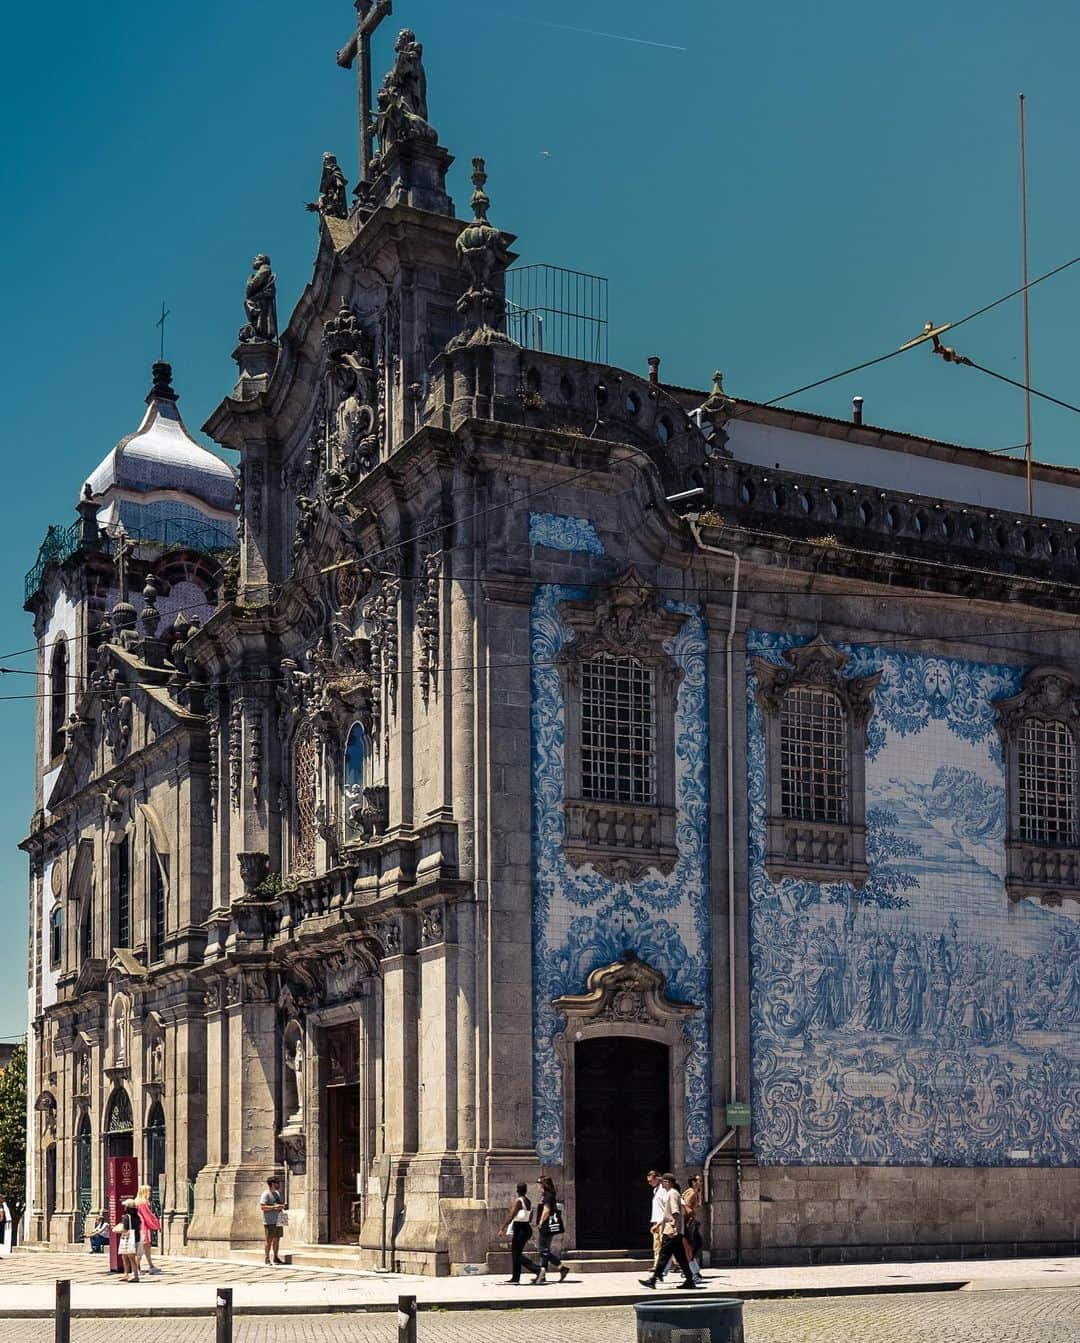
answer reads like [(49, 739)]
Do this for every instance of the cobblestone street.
[(919, 1317)]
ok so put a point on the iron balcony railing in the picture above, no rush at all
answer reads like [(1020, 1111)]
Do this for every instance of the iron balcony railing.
[(557, 310), (62, 542)]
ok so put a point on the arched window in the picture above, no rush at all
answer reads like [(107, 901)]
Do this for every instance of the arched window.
[(1046, 769), (813, 755), (120, 870), (159, 899), (155, 1156), (58, 687), (84, 1171), (86, 925), (305, 800), (56, 937), (353, 784)]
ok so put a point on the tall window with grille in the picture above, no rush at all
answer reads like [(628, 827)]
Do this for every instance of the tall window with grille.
[(1046, 769), (159, 899), (86, 926), (58, 685), (305, 800), (56, 938), (618, 728), (120, 868), (813, 756)]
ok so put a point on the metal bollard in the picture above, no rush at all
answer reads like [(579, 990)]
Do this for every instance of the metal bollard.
[(223, 1315), (406, 1319), (63, 1310)]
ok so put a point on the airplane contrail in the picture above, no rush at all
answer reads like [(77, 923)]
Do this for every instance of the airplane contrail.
[(595, 32)]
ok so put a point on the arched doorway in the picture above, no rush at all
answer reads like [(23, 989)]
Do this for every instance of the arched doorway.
[(119, 1126), (83, 1176), (155, 1156), (621, 1131)]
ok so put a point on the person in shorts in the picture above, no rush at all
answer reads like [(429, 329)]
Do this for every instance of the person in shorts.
[(272, 1206)]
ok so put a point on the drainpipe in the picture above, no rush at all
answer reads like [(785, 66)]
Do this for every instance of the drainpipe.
[(729, 697)]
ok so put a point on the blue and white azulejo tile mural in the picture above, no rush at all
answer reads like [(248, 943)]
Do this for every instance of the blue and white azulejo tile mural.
[(560, 532), (926, 1018), (583, 920)]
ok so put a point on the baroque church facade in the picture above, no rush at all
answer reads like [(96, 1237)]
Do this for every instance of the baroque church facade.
[(522, 763)]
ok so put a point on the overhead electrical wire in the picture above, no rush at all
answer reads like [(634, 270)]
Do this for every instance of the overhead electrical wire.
[(737, 412)]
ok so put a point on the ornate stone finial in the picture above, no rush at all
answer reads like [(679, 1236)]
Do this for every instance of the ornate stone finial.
[(151, 616), (260, 303), (343, 334), (89, 531), (161, 390), (123, 619), (482, 256), (718, 399), (331, 202)]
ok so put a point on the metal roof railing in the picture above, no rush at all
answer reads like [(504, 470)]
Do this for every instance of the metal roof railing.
[(61, 543)]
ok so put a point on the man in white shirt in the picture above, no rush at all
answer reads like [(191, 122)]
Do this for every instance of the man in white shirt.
[(656, 1215), (671, 1236)]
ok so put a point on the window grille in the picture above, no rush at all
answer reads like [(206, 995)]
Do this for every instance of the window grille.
[(58, 699), (159, 893), (56, 937), (813, 756), (121, 880), (618, 724), (86, 913), (1047, 777), (305, 800)]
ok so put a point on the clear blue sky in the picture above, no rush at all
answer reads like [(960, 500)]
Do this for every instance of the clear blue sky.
[(792, 189)]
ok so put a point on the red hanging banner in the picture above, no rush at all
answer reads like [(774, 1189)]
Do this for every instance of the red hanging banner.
[(123, 1178)]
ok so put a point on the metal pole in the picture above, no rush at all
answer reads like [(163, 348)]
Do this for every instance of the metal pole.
[(223, 1315), (406, 1319), (63, 1310), (1027, 332), (738, 1202)]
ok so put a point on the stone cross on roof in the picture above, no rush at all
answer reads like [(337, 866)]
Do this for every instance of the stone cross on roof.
[(369, 14)]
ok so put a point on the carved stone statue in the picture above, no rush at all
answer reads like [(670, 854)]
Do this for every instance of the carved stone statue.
[(402, 112), (331, 200), (119, 1036), (355, 415), (407, 76), (260, 302)]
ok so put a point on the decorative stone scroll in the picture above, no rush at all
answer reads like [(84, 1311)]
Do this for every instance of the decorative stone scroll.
[(628, 990)]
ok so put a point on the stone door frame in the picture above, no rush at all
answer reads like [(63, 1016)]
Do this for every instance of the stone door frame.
[(317, 1022), (626, 998)]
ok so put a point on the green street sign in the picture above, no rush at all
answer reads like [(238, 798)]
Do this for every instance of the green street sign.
[(738, 1115)]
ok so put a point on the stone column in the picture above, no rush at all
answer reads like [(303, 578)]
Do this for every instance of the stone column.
[(400, 1044)]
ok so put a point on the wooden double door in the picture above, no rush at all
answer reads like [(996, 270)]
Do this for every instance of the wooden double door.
[(621, 1132), (342, 1110)]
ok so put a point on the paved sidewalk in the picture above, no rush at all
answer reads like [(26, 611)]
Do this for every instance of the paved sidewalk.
[(911, 1317), (185, 1286)]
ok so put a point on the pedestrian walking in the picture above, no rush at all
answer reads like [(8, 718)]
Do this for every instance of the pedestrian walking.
[(692, 1241), (148, 1224), (656, 1213), (671, 1237), (519, 1229), (548, 1223), (273, 1208), (7, 1229), (128, 1249)]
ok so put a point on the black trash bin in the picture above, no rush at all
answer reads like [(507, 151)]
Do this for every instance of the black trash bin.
[(715, 1320)]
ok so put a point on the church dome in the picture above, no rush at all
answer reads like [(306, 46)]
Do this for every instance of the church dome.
[(160, 484)]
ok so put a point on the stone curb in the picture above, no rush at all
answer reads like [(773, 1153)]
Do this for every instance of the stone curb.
[(530, 1302)]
